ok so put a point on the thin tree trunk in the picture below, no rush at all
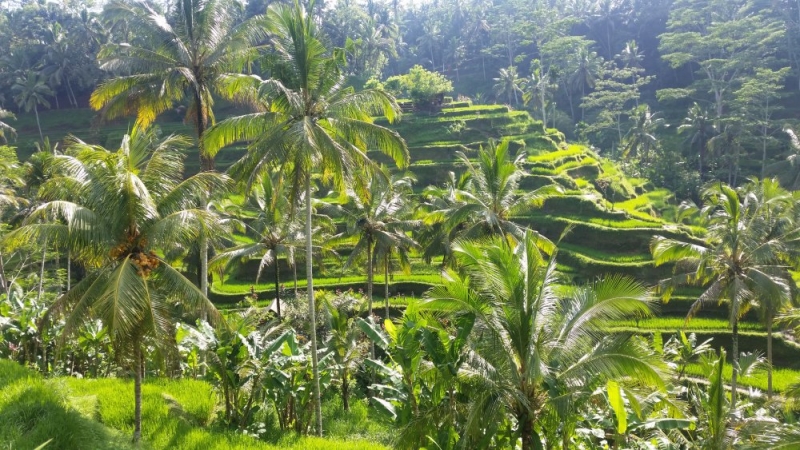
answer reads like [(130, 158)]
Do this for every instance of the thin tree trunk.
[(137, 391), (369, 290), (278, 287), (74, 100), (3, 281), (345, 391), (69, 271), (769, 357), (294, 269), (312, 310), (386, 284), (39, 125), (41, 273), (735, 358)]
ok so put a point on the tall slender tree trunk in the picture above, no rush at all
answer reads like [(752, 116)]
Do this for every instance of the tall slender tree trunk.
[(38, 124), (278, 287), (769, 356), (735, 359), (69, 271), (137, 391), (386, 284), (70, 92), (312, 310), (345, 391), (41, 273), (370, 271), (3, 281), (294, 270)]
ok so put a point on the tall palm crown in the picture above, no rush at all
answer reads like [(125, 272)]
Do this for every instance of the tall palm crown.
[(31, 91), (740, 261), (114, 211), (378, 223), (309, 122), (509, 83), (175, 58), (487, 200), (538, 349), (276, 233)]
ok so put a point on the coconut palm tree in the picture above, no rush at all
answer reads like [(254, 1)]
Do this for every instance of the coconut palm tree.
[(30, 92), (587, 71), (5, 129), (377, 225), (177, 57), (641, 138), (490, 197), (276, 232), (509, 84), (538, 351), (114, 211), (700, 128), (309, 122), (739, 261)]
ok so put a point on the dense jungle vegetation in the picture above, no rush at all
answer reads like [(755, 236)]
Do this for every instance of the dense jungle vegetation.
[(440, 224)]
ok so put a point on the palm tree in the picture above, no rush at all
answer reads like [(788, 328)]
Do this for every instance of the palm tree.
[(30, 92), (508, 83), (377, 226), (777, 212), (178, 58), (114, 210), (700, 127), (739, 261), (538, 351), (276, 233), (309, 123), (641, 138), (586, 73), (490, 197), (5, 129), (539, 89)]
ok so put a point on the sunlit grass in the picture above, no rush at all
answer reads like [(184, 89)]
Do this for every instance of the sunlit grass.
[(782, 379)]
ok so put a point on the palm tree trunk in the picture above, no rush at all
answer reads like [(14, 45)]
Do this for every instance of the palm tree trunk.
[(137, 391), (278, 287), (41, 273), (735, 359), (69, 271), (39, 125), (3, 281), (526, 431), (294, 269), (345, 391), (369, 290), (769, 357), (369, 276), (312, 310), (386, 284)]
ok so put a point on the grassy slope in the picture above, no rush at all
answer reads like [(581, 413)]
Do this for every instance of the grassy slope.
[(98, 414)]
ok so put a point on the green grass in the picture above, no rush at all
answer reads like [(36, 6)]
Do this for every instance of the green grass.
[(177, 414), (235, 287), (673, 324), (782, 379)]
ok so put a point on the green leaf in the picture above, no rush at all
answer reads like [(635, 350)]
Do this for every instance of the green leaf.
[(618, 405)]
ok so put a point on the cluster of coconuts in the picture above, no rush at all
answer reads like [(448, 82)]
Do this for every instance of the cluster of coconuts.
[(145, 262)]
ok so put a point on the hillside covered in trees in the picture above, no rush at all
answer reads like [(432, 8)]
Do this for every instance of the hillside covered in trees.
[(435, 224)]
